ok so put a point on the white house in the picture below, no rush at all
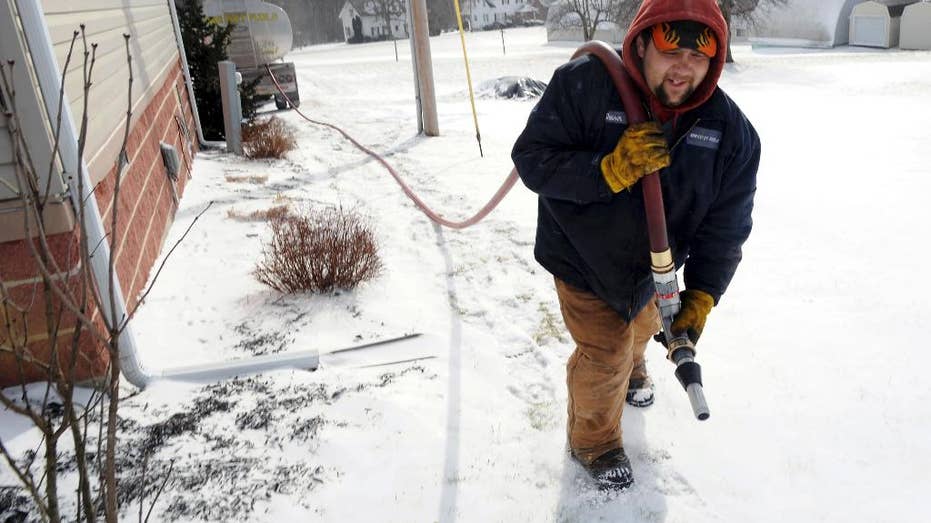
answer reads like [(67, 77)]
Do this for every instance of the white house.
[(486, 14), (361, 19)]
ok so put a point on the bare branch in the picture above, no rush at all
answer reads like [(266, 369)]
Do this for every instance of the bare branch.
[(145, 465), (588, 15), (61, 105), (26, 480), (171, 466), (162, 266), (122, 163)]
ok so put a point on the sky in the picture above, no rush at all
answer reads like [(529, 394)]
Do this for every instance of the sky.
[(812, 362)]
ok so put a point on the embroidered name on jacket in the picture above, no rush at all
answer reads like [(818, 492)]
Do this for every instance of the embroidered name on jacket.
[(617, 117), (707, 138)]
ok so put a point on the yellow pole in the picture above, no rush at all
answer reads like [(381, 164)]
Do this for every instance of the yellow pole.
[(465, 56)]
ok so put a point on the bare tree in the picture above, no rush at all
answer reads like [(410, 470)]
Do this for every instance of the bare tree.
[(67, 304), (55, 413), (750, 11), (441, 16), (588, 15), (390, 11)]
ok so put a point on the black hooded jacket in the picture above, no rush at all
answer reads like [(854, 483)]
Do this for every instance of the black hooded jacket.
[(597, 241)]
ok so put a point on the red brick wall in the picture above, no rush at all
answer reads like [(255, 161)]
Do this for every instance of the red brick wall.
[(145, 210)]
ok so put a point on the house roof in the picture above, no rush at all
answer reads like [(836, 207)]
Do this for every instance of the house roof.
[(467, 6), (366, 9)]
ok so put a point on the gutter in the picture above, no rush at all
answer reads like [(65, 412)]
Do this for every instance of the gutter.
[(204, 143)]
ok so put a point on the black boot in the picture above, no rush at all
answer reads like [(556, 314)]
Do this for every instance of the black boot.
[(640, 387), (640, 392), (612, 471)]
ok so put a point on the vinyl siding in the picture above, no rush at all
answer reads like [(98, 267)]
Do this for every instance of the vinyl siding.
[(33, 123), (154, 52)]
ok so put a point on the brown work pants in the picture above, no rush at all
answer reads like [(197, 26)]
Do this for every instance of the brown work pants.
[(598, 372)]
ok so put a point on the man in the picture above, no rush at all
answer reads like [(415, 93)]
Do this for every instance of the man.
[(578, 153)]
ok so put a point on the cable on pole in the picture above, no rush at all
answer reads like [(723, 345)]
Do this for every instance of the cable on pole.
[(465, 56)]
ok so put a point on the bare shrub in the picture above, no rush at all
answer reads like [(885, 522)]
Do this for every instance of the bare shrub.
[(319, 251), (267, 139), (261, 215)]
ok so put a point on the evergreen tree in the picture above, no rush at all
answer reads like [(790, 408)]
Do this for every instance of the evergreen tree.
[(441, 16), (205, 45)]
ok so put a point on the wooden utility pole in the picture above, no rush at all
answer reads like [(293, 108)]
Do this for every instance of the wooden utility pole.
[(421, 36), (418, 109)]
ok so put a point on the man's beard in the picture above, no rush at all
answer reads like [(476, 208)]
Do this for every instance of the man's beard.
[(663, 96)]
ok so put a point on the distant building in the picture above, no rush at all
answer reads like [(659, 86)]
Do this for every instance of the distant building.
[(804, 23), (361, 21), (875, 24), (493, 14), (916, 19)]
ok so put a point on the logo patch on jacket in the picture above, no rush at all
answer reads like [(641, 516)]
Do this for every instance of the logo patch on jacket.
[(702, 137), (616, 117)]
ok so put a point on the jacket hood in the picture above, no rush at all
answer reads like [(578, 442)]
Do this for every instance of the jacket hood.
[(652, 12)]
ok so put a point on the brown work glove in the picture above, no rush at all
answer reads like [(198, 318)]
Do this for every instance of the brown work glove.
[(640, 151), (696, 305)]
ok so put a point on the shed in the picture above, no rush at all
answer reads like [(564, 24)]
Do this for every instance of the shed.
[(36, 35), (874, 24), (803, 23), (915, 32)]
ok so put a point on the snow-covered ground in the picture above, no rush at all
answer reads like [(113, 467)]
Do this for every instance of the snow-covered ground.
[(814, 362)]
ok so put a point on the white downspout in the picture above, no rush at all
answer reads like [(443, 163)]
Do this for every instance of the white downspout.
[(187, 79), (48, 74)]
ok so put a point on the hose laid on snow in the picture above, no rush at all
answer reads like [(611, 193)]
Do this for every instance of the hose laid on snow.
[(495, 200)]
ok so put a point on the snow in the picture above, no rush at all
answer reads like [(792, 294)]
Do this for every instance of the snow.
[(813, 361)]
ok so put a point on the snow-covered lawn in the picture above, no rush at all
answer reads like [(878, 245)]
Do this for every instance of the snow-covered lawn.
[(814, 362)]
